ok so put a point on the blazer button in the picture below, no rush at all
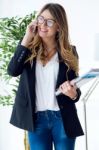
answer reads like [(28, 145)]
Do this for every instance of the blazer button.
[(61, 106), (21, 55), (23, 52), (18, 60)]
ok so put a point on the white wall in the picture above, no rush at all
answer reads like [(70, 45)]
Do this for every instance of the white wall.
[(83, 17), (11, 138)]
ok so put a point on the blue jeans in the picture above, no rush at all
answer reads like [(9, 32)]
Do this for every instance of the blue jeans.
[(49, 130)]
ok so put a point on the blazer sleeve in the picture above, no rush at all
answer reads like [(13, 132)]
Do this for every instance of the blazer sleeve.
[(73, 75), (17, 62)]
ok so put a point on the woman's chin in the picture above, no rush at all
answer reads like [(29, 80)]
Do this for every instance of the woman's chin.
[(42, 34)]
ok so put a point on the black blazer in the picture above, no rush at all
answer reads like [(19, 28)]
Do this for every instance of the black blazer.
[(23, 114)]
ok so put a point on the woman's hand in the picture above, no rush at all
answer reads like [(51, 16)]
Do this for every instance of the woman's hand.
[(30, 33), (69, 90)]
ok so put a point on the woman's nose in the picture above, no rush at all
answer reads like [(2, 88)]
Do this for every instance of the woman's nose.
[(44, 23)]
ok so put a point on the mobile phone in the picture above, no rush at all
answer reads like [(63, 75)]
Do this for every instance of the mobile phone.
[(35, 29)]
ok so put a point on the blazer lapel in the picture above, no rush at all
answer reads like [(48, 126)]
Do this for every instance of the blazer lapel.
[(62, 72)]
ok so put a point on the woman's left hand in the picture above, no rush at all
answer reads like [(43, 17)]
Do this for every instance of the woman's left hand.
[(68, 89)]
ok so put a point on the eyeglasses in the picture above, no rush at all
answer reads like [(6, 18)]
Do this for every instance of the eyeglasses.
[(49, 22)]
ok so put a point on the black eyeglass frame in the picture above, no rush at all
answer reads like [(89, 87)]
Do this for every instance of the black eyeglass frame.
[(53, 21)]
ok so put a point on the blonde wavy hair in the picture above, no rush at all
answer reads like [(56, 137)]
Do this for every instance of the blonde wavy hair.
[(66, 51)]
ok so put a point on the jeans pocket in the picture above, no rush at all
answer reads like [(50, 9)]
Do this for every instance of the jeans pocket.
[(58, 115)]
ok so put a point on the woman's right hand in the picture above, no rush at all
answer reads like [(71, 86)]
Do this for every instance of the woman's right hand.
[(30, 33)]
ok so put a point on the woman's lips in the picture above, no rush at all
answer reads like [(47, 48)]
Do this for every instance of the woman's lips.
[(43, 30)]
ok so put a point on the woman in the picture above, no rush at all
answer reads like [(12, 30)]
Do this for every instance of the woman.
[(47, 61)]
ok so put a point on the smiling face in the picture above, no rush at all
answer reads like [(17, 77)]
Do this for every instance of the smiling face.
[(47, 26)]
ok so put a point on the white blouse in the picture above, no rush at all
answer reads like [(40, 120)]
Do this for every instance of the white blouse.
[(46, 77)]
